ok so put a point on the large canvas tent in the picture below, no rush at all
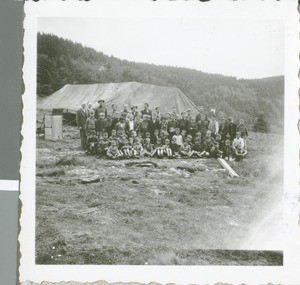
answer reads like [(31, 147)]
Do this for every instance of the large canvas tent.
[(70, 97)]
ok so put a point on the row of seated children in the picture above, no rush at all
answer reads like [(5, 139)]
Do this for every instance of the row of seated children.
[(118, 145)]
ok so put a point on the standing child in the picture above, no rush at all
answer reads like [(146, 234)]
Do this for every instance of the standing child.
[(242, 128), (167, 148), (172, 124), (231, 128), (213, 126), (182, 122), (192, 126), (178, 137), (202, 125), (101, 124), (164, 124), (91, 122)]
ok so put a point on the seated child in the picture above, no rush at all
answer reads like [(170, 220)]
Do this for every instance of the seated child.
[(175, 148), (207, 146), (219, 141), (120, 136), (238, 141), (126, 149), (92, 143), (167, 148), (185, 149), (189, 139), (113, 151), (164, 135), (208, 136), (137, 148), (227, 151), (147, 135), (215, 151), (122, 141), (198, 135), (147, 147), (155, 136), (158, 148), (103, 145), (240, 153), (113, 136), (196, 148), (139, 136)]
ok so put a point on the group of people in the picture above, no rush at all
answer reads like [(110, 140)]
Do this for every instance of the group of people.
[(130, 133)]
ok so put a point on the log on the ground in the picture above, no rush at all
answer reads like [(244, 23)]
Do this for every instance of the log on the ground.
[(89, 179), (192, 169), (142, 163), (228, 168)]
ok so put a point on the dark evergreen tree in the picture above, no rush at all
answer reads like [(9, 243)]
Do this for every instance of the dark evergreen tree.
[(62, 62), (261, 124)]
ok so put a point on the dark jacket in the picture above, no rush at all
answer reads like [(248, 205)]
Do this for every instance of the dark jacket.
[(232, 130), (81, 117), (146, 112), (156, 125), (99, 110)]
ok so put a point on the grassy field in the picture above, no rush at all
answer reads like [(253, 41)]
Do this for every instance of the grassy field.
[(153, 215)]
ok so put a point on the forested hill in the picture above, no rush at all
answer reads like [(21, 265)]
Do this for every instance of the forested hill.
[(62, 62)]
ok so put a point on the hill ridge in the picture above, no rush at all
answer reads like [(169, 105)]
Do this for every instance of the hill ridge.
[(61, 61)]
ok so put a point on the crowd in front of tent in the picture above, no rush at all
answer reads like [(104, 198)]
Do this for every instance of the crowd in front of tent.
[(133, 133)]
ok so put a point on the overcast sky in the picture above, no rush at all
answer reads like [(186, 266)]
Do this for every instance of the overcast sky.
[(240, 48)]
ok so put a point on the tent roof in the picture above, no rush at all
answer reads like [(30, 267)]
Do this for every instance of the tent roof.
[(70, 97)]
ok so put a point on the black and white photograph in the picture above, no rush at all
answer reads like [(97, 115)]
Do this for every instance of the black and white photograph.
[(158, 140)]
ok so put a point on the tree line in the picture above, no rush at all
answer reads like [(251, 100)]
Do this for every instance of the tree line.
[(61, 62)]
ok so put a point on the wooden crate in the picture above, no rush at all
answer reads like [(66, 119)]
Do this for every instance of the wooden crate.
[(48, 133)]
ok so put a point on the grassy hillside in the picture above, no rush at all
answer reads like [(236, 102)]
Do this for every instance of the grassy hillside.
[(162, 215), (63, 62)]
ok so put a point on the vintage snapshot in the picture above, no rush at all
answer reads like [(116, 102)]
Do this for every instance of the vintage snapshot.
[(161, 137)]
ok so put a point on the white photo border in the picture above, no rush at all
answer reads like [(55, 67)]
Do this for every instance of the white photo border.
[(288, 273)]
